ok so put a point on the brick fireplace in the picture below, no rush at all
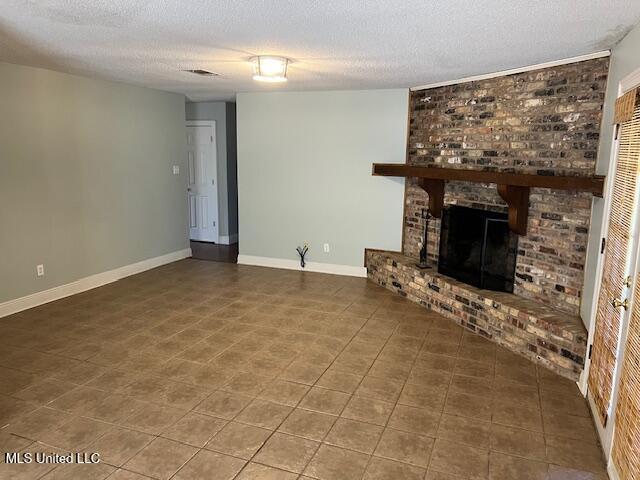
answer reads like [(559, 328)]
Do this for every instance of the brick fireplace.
[(541, 122)]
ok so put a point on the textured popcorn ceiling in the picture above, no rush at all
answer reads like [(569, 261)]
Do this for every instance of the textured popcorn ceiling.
[(335, 44)]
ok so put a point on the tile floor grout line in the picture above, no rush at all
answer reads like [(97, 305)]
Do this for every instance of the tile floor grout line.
[(156, 436), (299, 401), (237, 414), (397, 399), (351, 395), (544, 432), (337, 417), (446, 396), (360, 383)]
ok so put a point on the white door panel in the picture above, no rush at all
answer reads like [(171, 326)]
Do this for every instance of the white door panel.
[(192, 167), (202, 181), (204, 218), (193, 220)]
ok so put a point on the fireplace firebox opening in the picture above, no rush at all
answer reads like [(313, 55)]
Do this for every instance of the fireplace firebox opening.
[(478, 248)]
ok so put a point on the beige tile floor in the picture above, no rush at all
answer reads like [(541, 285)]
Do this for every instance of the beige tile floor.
[(218, 371)]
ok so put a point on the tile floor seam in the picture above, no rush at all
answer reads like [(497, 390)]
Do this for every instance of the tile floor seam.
[(386, 425), (185, 463), (181, 466), (155, 437), (444, 404), (339, 416), (542, 415), (320, 443), (491, 422)]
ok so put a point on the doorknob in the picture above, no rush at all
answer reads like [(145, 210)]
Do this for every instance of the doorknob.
[(616, 303)]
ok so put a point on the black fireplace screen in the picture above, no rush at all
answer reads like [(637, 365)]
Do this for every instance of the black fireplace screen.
[(477, 248)]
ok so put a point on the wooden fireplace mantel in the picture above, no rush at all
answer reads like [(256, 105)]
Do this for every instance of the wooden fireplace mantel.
[(512, 187)]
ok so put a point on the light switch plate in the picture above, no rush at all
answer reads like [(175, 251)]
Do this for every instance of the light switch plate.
[(176, 169)]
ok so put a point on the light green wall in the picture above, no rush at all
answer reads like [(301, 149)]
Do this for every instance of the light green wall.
[(304, 173), (223, 113), (86, 181), (625, 59)]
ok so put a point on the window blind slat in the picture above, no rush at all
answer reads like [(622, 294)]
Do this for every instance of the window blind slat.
[(625, 106), (626, 444), (616, 258)]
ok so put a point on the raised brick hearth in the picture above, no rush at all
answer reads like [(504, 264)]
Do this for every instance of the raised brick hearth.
[(554, 339)]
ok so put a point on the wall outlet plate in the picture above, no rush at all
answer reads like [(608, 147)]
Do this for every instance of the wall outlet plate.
[(327, 249), (40, 270)]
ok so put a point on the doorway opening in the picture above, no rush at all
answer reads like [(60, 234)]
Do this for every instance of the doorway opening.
[(212, 180)]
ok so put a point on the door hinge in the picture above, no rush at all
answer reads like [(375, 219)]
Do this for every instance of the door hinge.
[(617, 131), (213, 182), (214, 223), (211, 138), (606, 419), (602, 245), (590, 350)]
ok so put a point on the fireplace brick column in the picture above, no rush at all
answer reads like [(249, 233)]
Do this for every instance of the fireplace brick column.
[(543, 122)]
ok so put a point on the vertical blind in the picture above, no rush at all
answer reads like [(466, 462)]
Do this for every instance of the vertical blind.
[(616, 257), (626, 443)]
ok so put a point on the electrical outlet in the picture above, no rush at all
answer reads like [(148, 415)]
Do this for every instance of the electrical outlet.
[(327, 249), (176, 169), (40, 270)]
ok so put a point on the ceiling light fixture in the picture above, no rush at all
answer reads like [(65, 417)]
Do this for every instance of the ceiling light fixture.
[(269, 68)]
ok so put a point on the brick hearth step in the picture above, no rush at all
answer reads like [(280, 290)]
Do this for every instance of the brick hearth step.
[(554, 339)]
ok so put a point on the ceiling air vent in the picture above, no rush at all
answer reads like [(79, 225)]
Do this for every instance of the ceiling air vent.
[(203, 73)]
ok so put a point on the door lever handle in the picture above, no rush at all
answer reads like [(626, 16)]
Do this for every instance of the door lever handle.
[(616, 303)]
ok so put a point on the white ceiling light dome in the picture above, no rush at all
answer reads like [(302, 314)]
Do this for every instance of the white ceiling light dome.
[(270, 68)]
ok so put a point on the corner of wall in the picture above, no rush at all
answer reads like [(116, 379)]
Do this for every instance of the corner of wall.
[(232, 168)]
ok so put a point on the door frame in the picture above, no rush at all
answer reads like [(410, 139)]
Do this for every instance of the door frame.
[(606, 435), (212, 124)]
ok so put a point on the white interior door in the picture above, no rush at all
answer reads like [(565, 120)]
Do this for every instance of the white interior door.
[(624, 433), (618, 272), (202, 181)]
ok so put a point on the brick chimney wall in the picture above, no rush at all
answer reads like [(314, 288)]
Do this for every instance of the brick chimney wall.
[(541, 122)]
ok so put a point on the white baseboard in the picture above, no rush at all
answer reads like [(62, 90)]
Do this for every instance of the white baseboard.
[(611, 470), (318, 267), (584, 379), (87, 283), (228, 239)]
